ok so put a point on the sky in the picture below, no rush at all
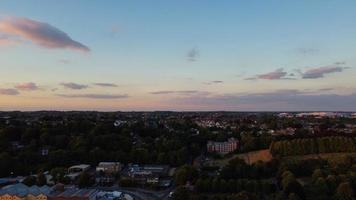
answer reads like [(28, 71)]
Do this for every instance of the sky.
[(272, 55)]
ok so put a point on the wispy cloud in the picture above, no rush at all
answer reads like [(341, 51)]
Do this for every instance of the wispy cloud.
[(278, 74), (311, 73), (74, 86), (180, 92), (163, 92), (251, 78), (106, 84), (340, 63), (275, 75), (114, 31), (64, 61), (192, 54), (30, 86), (95, 96), (240, 74), (320, 72), (326, 89), (305, 51), (40, 33), (213, 82), (9, 91)]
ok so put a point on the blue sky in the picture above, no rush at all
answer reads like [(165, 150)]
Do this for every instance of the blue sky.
[(178, 55)]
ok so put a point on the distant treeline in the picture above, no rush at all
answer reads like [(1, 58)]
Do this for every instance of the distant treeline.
[(330, 144)]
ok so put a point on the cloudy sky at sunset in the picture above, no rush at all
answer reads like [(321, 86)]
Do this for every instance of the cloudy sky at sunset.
[(178, 55)]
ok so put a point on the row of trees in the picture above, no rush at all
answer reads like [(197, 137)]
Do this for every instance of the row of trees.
[(291, 186), (218, 185), (305, 146), (327, 186), (331, 179), (183, 193)]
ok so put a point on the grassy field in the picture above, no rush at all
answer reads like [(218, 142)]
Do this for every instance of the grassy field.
[(254, 156), (249, 157)]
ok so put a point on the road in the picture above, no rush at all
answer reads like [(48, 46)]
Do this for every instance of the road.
[(140, 194)]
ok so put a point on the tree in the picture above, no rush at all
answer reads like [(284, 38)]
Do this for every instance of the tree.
[(321, 187), (184, 174), (332, 183), (223, 186), (287, 177), (163, 158), (293, 196), (84, 180), (6, 164), (182, 156), (30, 181), (199, 185), (244, 196), (250, 186), (215, 185), (181, 193), (317, 174), (344, 191), (268, 187), (231, 186), (207, 185), (58, 158), (41, 179), (236, 168), (294, 187), (58, 175), (140, 155)]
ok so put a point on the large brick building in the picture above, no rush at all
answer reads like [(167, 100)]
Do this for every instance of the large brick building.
[(223, 147)]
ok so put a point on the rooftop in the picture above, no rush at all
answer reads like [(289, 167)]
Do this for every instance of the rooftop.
[(21, 190)]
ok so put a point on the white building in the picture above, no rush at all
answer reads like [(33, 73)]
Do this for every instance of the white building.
[(76, 170), (109, 167)]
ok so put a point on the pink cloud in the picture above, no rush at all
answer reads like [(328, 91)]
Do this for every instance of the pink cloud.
[(8, 91), (8, 40), (319, 72), (40, 33), (277, 74), (27, 86)]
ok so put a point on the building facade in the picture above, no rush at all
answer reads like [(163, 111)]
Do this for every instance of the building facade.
[(223, 147), (109, 167)]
